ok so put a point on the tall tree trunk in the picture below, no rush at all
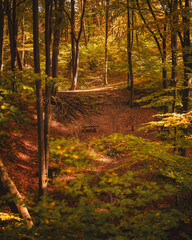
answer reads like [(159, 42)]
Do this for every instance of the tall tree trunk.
[(56, 38), (1, 33), (187, 57), (48, 9), (23, 41), (174, 20), (164, 61), (106, 41), (129, 53), (12, 36), (75, 73), (40, 123), (84, 31), (84, 27), (9, 187), (75, 43), (48, 13)]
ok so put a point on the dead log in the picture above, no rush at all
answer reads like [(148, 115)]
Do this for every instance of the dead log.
[(9, 187)]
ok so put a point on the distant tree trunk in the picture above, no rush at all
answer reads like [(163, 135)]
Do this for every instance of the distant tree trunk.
[(164, 61), (48, 13), (1, 33), (84, 27), (74, 81), (187, 57), (9, 187), (12, 36), (84, 31), (48, 9), (75, 43), (129, 53), (56, 38), (23, 41), (40, 123), (106, 41), (174, 20)]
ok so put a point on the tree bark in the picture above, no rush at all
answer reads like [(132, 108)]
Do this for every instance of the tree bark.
[(23, 41), (9, 187), (129, 54), (75, 43), (56, 38), (12, 36), (164, 61), (187, 57), (48, 13), (48, 9), (74, 84), (40, 123), (174, 20), (1, 32), (106, 41)]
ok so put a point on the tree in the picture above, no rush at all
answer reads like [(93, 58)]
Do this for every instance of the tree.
[(187, 54), (48, 87), (12, 25), (1, 32), (159, 33), (106, 40), (75, 41), (40, 122), (129, 52), (173, 23), (9, 187), (57, 36)]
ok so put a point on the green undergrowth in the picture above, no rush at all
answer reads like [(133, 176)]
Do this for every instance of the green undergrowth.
[(143, 194)]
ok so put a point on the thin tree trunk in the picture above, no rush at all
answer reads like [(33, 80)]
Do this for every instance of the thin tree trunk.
[(56, 39), (40, 123), (174, 52), (48, 7), (75, 77), (106, 42), (23, 41), (129, 52), (48, 11), (84, 31), (1, 33), (164, 61), (187, 58), (12, 36), (9, 187), (73, 43)]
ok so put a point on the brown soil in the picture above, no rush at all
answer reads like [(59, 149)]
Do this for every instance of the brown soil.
[(115, 116)]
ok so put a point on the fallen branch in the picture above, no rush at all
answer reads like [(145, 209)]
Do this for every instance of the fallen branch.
[(9, 187)]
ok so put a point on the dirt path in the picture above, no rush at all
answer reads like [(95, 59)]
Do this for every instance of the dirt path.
[(115, 116)]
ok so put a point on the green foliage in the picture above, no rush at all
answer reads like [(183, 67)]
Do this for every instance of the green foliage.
[(68, 151), (13, 105), (134, 199), (154, 156), (173, 127)]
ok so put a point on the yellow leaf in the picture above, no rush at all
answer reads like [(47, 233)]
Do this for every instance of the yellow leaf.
[(46, 221), (75, 156), (71, 148)]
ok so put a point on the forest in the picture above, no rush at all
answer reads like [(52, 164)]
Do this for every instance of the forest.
[(96, 119)]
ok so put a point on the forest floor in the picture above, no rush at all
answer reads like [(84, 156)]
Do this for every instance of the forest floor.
[(113, 116)]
